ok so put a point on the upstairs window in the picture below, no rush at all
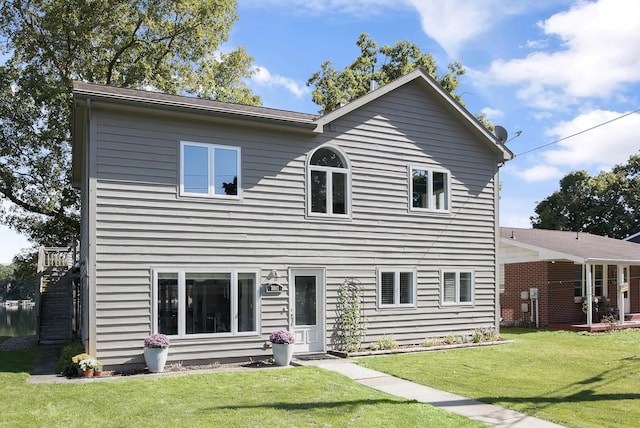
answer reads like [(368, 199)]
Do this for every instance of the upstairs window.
[(209, 170), (429, 189), (328, 184)]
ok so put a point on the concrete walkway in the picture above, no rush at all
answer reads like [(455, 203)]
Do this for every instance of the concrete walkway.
[(472, 409)]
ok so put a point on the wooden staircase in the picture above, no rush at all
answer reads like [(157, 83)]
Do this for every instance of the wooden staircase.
[(54, 298)]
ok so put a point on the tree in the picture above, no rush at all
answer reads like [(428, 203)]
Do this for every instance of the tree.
[(333, 87), (165, 46), (607, 204), (18, 280)]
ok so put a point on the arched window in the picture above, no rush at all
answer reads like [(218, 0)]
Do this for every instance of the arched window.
[(328, 183)]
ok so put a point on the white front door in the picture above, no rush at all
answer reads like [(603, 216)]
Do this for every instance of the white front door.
[(307, 309)]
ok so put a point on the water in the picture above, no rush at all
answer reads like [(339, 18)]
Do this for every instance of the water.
[(17, 321)]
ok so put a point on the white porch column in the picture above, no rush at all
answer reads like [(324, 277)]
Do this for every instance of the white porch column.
[(620, 287), (590, 286)]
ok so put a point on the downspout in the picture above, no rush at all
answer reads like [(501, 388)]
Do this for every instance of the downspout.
[(496, 248), (88, 295)]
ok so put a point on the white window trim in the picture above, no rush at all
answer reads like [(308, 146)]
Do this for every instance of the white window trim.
[(605, 279), (430, 170), (396, 289), (457, 301), (211, 173), (328, 170), (182, 334)]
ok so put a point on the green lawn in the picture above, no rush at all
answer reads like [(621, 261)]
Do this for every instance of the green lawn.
[(574, 379), (300, 397)]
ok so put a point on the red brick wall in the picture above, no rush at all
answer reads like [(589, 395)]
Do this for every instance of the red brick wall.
[(561, 307), (555, 283), (555, 290), (520, 277)]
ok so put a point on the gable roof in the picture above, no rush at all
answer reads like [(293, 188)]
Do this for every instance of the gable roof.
[(435, 90), (99, 92), (633, 238), (577, 247)]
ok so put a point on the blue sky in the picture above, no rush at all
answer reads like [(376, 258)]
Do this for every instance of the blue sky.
[(548, 68)]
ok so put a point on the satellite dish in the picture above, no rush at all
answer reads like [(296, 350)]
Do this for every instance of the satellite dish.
[(501, 134)]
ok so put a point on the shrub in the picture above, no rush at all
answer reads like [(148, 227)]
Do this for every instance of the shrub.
[(484, 334), (451, 339), (383, 343), (610, 320), (65, 365), (431, 341)]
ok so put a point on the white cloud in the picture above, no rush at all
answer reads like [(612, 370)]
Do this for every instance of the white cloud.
[(265, 78), (593, 150), (361, 8), (492, 113), (598, 149), (536, 44), (538, 173), (598, 56), (451, 23)]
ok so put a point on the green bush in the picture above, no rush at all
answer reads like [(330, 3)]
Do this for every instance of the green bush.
[(65, 366)]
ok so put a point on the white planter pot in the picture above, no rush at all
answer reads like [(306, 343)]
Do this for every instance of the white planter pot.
[(156, 358), (282, 353)]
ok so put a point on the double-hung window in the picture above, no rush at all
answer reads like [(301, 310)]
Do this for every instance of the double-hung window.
[(396, 288), (599, 280), (429, 189), (328, 184), (457, 287), (209, 170), (578, 280), (206, 302)]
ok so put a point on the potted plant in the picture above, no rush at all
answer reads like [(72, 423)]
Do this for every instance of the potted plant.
[(88, 365), (76, 361), (282, 344), (98, 370), (156, 351)]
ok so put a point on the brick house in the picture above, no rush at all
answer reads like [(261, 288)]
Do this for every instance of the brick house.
[(567, 270)]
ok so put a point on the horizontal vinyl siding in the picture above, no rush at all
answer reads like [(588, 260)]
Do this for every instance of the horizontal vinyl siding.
[(142, 224)]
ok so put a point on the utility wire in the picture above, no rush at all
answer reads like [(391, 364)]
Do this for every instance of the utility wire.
[(580, 132)]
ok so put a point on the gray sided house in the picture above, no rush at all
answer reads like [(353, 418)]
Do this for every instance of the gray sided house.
[(217, 224)]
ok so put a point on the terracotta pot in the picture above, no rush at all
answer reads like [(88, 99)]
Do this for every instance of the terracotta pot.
[(87, 373), (97, 373)]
